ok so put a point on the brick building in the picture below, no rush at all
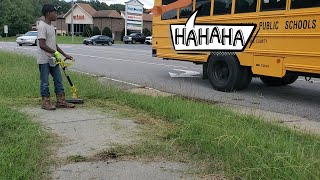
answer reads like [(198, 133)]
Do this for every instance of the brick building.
[(84, 14)]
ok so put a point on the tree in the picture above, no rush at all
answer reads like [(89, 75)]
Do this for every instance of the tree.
[(118, 7), (87, 31), (107, 32), (19, 20), (96, 31), (146, 32), (65, 6)]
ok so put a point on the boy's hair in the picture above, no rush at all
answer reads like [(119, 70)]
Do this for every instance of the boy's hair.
[(47, 8)]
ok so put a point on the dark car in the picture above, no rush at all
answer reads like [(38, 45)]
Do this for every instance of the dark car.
[(134, 38), (99, 39)]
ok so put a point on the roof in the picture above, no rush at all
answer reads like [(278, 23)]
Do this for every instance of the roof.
[(133, 0), (86, 7), (54, 23), (89, 9), (108, 13), (61, 16)]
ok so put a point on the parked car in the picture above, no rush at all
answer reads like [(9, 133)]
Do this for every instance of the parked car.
[(29, 38), (134, 38), (148, 40), (99, 39)]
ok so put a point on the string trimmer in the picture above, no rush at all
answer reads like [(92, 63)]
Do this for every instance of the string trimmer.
[(75, 96)]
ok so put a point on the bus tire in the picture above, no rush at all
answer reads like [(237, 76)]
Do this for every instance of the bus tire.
[(291, 79), (246, 78), (226, 74), (275, 81)]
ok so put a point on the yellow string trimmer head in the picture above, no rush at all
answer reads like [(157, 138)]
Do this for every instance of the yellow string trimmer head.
[(75, 96)]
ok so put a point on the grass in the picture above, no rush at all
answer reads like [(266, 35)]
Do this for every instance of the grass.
[(22, 146), (60, 40), (8, 39), (238, 146)]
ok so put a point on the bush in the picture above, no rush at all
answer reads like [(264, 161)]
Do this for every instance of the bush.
[(146, 32), (107, 32), (122, 33), (87, 31), (96, 31)]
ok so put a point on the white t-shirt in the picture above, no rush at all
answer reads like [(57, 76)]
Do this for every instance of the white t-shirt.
[(47, 32)]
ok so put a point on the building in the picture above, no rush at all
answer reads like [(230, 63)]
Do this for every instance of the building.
[(84, 14)]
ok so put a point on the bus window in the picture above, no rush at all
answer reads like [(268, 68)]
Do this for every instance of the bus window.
[(222, 7), (272, 5), (205, 9), (186, 12), (296, 4), (244, 6), (170, 14)]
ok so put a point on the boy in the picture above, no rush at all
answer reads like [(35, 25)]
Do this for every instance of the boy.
[(47, 49)]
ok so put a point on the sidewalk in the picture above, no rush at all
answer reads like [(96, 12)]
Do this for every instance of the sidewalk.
[(86, 133)]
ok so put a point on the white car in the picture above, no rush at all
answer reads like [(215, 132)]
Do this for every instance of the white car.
[(148, 40), (29, 38)]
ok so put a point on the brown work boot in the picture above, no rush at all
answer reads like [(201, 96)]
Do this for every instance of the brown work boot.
[(46, 103), (61, 102)]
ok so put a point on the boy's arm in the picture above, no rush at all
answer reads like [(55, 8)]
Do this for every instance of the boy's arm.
[(43, 46), (159, 10), (42, 39)]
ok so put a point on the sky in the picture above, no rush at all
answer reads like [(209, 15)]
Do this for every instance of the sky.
[(148, 4)]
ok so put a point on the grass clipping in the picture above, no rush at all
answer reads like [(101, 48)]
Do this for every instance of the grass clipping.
[(239, 146)]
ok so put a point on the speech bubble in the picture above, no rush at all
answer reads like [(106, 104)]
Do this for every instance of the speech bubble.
[(210, 37)]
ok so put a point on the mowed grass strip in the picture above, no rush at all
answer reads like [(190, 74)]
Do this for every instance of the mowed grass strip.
[(60, 40), (237, 145)]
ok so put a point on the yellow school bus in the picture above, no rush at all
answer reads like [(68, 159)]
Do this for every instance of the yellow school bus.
[(286, 45)]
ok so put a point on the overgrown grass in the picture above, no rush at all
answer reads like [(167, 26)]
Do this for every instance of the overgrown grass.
[(23, 146), (237, 145)]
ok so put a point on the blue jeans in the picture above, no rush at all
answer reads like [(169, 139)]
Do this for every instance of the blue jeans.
[(45, 69)]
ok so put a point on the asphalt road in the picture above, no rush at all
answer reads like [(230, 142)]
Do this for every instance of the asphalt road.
[(134, 64)]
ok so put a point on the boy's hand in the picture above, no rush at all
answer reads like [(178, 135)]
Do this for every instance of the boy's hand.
[(68, 57), (57, 55)]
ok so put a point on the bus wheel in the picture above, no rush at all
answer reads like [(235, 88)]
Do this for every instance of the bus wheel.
[(275, 81), (226, 74), (246, 78), (291, 79)]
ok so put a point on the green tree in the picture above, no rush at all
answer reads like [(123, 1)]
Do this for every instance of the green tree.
[(65, 6), (118, 7), (87, 31), (96, 31), (107, 32), (146, 32), (19, 20)]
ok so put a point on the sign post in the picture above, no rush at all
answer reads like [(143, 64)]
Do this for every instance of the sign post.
[(5, 28), (72, 26), (125, 24), (133, 16)]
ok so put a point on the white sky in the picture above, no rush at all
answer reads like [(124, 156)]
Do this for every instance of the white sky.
[(147, 3)]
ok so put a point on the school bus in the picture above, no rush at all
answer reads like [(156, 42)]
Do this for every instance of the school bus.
[(285, 47)]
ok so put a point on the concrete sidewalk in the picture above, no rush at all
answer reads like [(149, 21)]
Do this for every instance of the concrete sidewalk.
[(86, 133)]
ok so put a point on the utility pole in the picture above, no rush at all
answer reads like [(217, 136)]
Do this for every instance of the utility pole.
[(72, 28)]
